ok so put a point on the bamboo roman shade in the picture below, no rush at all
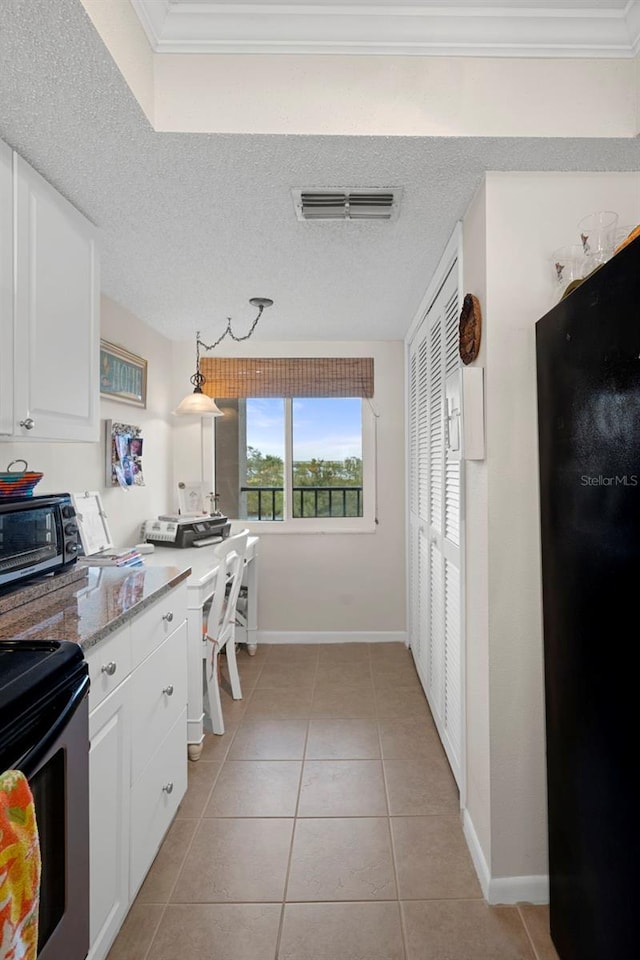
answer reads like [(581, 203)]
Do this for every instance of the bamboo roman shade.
[(229, 377)]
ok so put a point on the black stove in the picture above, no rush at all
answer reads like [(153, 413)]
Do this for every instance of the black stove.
[(44, 733), (36, 677)]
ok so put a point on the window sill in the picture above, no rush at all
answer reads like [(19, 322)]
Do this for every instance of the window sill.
[(258, 527)]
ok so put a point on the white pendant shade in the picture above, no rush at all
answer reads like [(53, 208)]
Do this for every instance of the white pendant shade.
[(197, 404)]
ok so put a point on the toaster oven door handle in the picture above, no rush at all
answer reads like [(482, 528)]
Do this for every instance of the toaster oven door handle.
[(33, 758)]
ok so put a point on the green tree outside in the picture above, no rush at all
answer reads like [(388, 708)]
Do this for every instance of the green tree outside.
[(267, 470)]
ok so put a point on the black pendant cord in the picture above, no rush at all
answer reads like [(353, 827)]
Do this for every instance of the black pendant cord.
[(198, 380), (228, 333)]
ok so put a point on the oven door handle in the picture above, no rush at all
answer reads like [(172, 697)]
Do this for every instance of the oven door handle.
[(31, 760)]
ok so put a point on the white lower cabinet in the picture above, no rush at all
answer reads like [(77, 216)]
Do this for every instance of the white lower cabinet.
[(138, 759), (158, 749), (155, 798), (110, 736)]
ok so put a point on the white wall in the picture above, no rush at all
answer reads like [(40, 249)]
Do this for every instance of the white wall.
[(478, 774), (123, 35), (327, 583), (74, 467), (527, 216), (394, 95), (369, 95)]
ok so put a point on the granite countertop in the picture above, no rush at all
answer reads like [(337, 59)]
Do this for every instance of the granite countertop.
[(88, 610)]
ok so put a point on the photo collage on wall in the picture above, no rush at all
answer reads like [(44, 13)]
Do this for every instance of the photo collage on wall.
[(124, 447)]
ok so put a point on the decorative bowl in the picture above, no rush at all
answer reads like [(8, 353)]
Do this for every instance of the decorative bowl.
[(18, 483)]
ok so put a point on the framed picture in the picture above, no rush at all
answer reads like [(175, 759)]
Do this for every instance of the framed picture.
[(123, 375), (191, 498), (123, 450)]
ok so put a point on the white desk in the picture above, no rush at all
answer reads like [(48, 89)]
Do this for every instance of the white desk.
[(200, 586)]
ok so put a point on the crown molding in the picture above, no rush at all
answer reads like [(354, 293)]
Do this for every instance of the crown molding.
[(633, 23), (405, 30), (153, 17)]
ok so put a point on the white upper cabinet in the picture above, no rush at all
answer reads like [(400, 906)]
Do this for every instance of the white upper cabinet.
[(55, 316)]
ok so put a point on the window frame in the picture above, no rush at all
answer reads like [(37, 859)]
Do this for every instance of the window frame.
[(337, 525)]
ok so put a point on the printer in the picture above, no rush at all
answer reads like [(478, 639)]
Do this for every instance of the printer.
[(184, 530)]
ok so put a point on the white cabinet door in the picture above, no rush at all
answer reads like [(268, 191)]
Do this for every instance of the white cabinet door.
[(155, 798), (109, 758), (6, 291), (56, 351), (435, 474)]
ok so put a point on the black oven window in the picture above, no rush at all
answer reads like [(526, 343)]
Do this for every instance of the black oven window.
[(28, 537), (48, 789)]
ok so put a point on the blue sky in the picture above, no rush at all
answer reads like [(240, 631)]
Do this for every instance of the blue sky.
[(325, 429)]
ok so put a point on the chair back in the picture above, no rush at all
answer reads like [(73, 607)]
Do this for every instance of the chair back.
[(230, 555)]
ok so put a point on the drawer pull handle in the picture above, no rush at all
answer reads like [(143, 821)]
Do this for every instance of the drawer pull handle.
[(167, 616), (28, 423), (168, 690), (109, 668), (168, 787)]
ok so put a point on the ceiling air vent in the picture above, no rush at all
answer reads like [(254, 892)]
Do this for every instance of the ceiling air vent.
[(345, 204)]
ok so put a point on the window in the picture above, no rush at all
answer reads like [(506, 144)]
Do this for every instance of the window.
[(296, 445), (326, 457), (296, 462)]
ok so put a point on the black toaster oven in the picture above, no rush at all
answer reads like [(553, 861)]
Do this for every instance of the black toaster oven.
[(37, 535)]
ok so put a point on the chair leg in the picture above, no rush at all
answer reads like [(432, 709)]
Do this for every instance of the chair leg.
[(213, 694), (232, 664)]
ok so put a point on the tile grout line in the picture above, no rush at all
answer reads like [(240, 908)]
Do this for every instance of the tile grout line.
[(378, 697), (403, 932), (201, 817), (295, 819), (147, 954), (187, 850), (527, 934)]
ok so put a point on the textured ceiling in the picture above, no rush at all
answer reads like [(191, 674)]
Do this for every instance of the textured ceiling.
[(192, 225)]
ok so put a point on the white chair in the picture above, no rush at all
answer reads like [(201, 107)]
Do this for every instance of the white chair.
[(219, 633), (242, 605)]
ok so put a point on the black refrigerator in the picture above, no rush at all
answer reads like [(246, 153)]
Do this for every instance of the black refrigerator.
[(588, 372)]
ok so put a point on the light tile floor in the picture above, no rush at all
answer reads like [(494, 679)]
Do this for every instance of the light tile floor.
[(324, 825)]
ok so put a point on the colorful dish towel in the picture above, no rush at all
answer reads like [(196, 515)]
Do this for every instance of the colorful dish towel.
[(20, 868)]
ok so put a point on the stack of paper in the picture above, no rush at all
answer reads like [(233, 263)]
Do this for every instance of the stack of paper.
[(116, 558)]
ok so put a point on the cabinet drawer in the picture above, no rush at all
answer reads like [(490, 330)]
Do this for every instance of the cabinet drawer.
[(158, 622), (159, 695), (109, 664), (153, 807)]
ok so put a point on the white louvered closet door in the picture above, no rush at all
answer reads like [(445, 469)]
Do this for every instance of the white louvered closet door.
[(435, 514)]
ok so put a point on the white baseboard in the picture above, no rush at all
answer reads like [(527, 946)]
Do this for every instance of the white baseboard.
[(295, 636), (534, 889)]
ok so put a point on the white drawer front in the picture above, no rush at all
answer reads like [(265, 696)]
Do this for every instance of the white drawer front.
[(158, 622), (155, 799), (159, 695), (109, 664)]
